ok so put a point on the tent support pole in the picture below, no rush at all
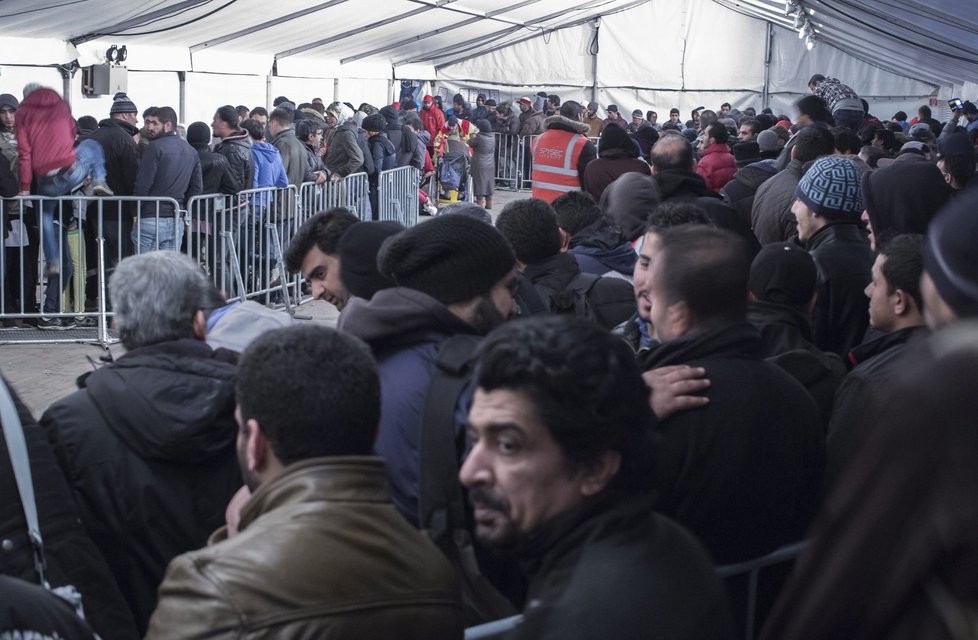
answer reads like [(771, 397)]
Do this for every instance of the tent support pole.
[(336, 89), (594, 60), (268, 90), (182, 77), (67, 72), (768, 52)]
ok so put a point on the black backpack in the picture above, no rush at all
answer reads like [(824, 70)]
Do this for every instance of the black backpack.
[(573, 299)]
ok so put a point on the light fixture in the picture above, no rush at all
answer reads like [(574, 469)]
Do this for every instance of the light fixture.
[(123, 54), (810, 42), (799, 20), (790, 7)]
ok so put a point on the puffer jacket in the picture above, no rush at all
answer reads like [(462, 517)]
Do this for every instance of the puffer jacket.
[(294, 570), (269, 170), (740, 191), (344, 155), (237, 149), (717, 166), (216, 172), (148, 446)]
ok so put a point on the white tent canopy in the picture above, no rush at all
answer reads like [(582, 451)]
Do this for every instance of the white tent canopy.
[(637, 53)]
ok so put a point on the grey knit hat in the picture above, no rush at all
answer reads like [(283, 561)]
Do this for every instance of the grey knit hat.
[(832, 188), (122, 104)]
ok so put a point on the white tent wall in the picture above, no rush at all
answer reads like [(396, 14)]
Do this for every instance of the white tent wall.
[(685, 54)]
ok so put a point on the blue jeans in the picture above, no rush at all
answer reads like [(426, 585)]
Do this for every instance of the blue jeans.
[(152, 234), (851, 119)]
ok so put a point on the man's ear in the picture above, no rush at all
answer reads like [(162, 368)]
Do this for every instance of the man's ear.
[(680, 319), (600, 474), (256, 448), (565, 239), (200, 326), (903, 303)]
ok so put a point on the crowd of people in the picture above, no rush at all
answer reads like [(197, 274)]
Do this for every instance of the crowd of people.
[(694, 345)]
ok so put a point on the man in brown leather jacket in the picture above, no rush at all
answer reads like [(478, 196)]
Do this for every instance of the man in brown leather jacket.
[(318, 550)]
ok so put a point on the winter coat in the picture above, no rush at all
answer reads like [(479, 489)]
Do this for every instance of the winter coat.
[(148, 446), (844, 262), (595, 124), (878, 365), (483, 163), (293, 154), (744, 472), (771, 217), (269, 170), (169, 168), (121, 154), (45, 135), (313, 163), (383, 153), (433, 120), (531, 122), (627, 202), (903, 197), (216, 172), (294, 569), (717, 166), (404, 329), (601, 248), (686, 186), (611, 165), (237, 149), (70, 555), (612, 299), (400, 135), (664, 583), (617, 122), (30, 611), (740, 191), (787, 341)]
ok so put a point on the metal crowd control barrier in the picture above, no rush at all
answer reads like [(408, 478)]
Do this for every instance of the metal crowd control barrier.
[(514, 161), (752, 569), (56, 259), (397, 195), (352, 192)]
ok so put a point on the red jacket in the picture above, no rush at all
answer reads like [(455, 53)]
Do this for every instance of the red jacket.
[(433, 120), (45, 135), (717, 166)]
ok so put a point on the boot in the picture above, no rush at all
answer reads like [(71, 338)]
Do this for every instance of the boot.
[(488, 204)]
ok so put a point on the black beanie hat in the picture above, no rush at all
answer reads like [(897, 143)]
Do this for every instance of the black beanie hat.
[(783, 273), (122, 104), (451, 258), (357, 251), (374, 122), (949, 258), (198, 133)]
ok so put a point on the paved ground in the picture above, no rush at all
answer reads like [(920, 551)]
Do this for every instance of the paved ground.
[(43, 373)]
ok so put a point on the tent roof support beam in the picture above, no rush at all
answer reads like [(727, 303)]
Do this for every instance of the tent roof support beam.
[(138, 21), (213, 42)]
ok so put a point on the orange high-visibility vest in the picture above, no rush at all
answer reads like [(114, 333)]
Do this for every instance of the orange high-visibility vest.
[(555, 156)]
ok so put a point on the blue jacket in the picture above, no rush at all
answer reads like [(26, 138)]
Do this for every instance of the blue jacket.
[(404, 329), (600, 247), (269, 170)]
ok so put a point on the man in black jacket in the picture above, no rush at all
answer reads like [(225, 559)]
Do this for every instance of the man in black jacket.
[(148, 442), (235, 145), (743, 471), (828, 205), (559, 473), (896, 311), (117, 135), (530, 225), (598, 245), (216, 175)]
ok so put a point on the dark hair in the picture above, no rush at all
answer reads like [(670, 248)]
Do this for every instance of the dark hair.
[(649, 114), (243, 112), (755, 125), (167, 114), (323, 230), (818, 77), (279, 100), (845, 140), (904, 265), (255, 129), (307, 127), (575, 210), (815, 108), (281, 116), (258, 111), (86, 123), (707, 268), (674, 214), (900, 115), (228, 114), (924, 110), (812, 143), (571, 109), (895, 127), (961, 167), (530, 226), (672, 153), (718, 132), (408, 103), (585, 388), (331, 405), (151, 112), (889, 140), (707, 117), (555, 99), (865, 106), (725, 104)]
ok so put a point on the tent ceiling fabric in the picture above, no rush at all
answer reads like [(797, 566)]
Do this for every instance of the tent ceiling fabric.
[(928, 40)]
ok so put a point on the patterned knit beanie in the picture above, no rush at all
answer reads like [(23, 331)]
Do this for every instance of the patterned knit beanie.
[(122, 104), (832, 188), (451, 258)]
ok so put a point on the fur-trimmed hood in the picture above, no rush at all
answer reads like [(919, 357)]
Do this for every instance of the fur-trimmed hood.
[(560, 122)]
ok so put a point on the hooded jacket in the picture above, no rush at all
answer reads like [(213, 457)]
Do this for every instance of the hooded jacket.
[(612, 299), (320, 553), (344, 155), (121, 154), (401, 136), (237, 149), (269, 170), (744, 472), (739, 193), (383, 153), (148, 446), (404, 329), (600, 248), (717, 166), (686, 186), (628, 201), (903, 197), (531, 122), (664, 583), (617, 155), (433, 119), (215, 172), (45, 135), (771, 217), (844, 263)]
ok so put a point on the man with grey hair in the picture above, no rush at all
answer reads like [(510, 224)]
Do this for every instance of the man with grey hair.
[(148, 441)]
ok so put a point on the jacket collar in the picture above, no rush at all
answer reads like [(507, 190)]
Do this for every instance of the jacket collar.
[(344, 479), (760, 312), (561, 267), (873, 348), (729, 340), (566, 124), (836, 230)]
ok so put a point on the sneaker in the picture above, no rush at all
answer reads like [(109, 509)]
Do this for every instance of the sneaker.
[(14, 323), (86, 321), (99, 188), (55, 324)]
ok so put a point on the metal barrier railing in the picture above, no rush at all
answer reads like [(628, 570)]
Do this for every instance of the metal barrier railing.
[(397, 195), (58, 252), (514, 161)]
